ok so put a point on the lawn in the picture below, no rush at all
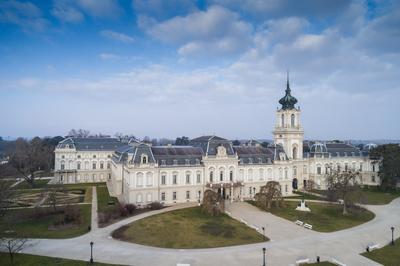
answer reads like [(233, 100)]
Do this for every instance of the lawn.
[(24, 224), (38, 183), (103, 198), (307, 196), (33, 260), (388, 255), (324, 217), (188, 228)]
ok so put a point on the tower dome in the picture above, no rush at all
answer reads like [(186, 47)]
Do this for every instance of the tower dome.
[(318, 147), (288, 101), (369, 146)]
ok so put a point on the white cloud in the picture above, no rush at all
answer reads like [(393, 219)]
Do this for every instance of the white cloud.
[(24, 14), (109, 56), (163, 9), (215, 31), (121, 37), (65, 12), (103, 8)]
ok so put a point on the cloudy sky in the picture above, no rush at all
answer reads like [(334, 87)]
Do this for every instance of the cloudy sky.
[(177, 67)]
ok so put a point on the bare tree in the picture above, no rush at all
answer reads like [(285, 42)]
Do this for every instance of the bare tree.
[(30, 157), (269, 194), (310, 185), (79, 133), (344, 185), (212, 203), (13, 245), (7, 196)]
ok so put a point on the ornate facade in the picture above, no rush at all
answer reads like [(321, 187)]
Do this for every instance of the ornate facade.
[(140, 173)]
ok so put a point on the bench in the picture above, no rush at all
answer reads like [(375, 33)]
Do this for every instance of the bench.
[(372, 247), (308, 226), (298, 222), (302, 261)]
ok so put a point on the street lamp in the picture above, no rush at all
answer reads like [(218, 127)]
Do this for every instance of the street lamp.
[(91, 252), (264, 249), (392, 235), (263, 228)]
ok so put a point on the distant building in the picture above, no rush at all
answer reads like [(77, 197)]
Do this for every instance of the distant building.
[(140, 173)]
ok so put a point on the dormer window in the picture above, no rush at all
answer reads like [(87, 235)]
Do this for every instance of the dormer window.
[(197, 162), (67, 146), (175, 162), (94, 156), (163, 163), (250, 160), (144, 159), (187, 161), (259, 160)]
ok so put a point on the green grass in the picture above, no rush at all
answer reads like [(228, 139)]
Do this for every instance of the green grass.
[(388, 255), (324, 217), (38, 183), (374, 196), (8, 182), (300, 195), (34, 260), (103, 197), (19, 221), (188, 228)]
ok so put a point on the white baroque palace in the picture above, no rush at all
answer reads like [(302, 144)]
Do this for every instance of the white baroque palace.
[(140, 173)]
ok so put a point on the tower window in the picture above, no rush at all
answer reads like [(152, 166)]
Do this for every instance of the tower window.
[(283, 120), (292, 120)]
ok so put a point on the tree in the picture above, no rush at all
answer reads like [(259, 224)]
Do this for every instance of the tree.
[(183, 141), (388, 158), (269, 194), (12, 246), (212, 204), (236, 142), (80, 133), (6, 198), (30, 157), (344, 185)]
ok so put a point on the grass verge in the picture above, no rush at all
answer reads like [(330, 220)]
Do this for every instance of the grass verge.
[(388, 255)]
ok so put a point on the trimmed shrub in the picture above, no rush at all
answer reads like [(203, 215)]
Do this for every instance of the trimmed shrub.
[(130, 208), (155, 205)]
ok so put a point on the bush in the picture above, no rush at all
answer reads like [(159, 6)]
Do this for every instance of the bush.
[(130, 208), (155, 205), (72, 214), (122, 210)]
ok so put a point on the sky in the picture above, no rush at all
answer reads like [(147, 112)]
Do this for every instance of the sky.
[(187, 68)]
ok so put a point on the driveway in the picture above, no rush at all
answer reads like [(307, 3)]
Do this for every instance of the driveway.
[(289, 242)]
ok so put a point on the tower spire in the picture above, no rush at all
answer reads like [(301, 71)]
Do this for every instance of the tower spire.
[(287, 80), (288, 101)]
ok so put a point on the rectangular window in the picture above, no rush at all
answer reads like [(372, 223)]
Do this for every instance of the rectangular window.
[(78, 166), (174, 195), (187, 179), (198, 178), (187, 195), (361, 167), (174, 179), (62, 166), (108, 166), (101, 165), (163, 180), (163, 196), (231, 176), (319, 170), (94, 166), (221, 176), (305, 169), (109, 176)]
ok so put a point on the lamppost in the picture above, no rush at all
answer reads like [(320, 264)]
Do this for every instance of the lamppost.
[(263, 228), (264, 249), (392, 235), (91, 252)]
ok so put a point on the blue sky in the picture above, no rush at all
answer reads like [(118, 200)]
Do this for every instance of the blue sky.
[(172, 68)]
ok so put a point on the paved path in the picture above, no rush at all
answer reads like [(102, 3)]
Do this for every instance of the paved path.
[(289, 243), (94, 222)]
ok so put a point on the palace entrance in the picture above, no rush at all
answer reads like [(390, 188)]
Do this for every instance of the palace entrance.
[(228, 191)]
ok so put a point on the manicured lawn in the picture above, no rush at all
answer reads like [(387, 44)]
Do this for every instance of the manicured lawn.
[(38, 183), (324, 217), (33, 260), (300, 195), (374, 196), (22, 222), (7, 182), (388, 255), (103, 198), (188, 228)]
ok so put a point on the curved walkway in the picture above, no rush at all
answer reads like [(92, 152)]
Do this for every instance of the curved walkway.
[(289, 242)]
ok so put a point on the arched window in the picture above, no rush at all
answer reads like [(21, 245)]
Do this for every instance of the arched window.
[(292, 120), (144, 159), (294, 152), (211, 176), (231, 175), (283, 120), (139, 179)]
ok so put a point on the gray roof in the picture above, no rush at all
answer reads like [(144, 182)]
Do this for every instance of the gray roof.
[(333, 149), (209, 145), (91, 144), (254, 155)]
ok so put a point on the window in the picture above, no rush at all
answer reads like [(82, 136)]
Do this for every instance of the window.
[(149, 179), (163, 163), (292, 120), (109, 156), (61, 178), (361, 167), (373, 168), (163, 196), (261, 174), (94, 166), (250, 174), (62, 156), (221, 176), (373, 179), (187, 178), (346, 167), (139, 198), (78, 166), (295, 153), (94, 156), (295, 171), (231, 176), (259, 160), (174, 179), (175, 162), (187, 161), (149, 197), (198, 178), (305, 169), (286, 173), (79, 156), (62, 166), (197, 162), (187, 195), (139, 179), (282, 120), (109, 176), (318, 170), (101, 165), (211, 176), (108, 166), (250, 160), (144, 159), (174, 195), (250, 190), (286, 188), (163, 179)]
